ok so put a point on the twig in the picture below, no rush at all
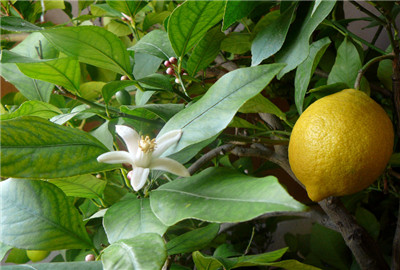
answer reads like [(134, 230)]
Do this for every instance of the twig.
[(222, 150), (361, 244), (366, 11), (347, 32), (368, 65), (103, 108), (239, 138)]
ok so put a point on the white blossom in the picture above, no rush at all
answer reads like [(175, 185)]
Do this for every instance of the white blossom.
[(144, 154)]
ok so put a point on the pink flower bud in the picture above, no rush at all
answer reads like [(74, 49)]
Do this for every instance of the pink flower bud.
[(167, 63), (129, 175), (173, 60), (170, 71), (89, 257), (185, 74), (177, 80), (124, 78)]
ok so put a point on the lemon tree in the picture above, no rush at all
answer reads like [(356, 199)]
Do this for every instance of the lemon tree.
[(172, 134)]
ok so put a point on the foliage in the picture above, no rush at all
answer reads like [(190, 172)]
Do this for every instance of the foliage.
[(233, 76)]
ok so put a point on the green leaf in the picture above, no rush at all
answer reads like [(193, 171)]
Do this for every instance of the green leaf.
[(113, 87), (241, 123), (385, 73), (236, 10), (332, 250), (204, 262), (236, 43), (215, 110), (164, 111), (156, 82), (145, 251), (18, 256), (271, 38), (37, 215), (57, 266), (193, 240), (30, 88), (266, 259), (16, 24), (84, 186), (306, 69), (3, 250), (347, 64), (33, 147), (33, 108), (128, 7), (92, 45), (216, 195), (130, 218), (261, 104), (62, 71), (205, 51), (155, 18), (366, 219), (329, 89), (190, 21), (296, 47), (155, 43)]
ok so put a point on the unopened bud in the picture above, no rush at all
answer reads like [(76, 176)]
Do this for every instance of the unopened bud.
[(184, 74), (99, 176), (173, 60), (124, 78), (170, 71), (177, 80), (167, 63), (90, 257)]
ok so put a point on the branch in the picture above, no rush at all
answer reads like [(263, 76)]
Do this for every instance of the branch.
[(361, 244), (367, 66), (103, 108), (209, 156)]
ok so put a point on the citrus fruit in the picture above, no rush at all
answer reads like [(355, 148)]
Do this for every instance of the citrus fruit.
[(340, 144), (123, 97), (37, 255)]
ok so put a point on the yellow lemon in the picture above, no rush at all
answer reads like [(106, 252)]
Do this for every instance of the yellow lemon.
[(37, 255), (340, 144)]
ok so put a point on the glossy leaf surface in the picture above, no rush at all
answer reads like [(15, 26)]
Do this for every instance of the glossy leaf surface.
[(190, 21), (296, 48), (92, 45), (216, 195), (214, 111), (130, 218), (84, 186), (33, 147), (143, 252), (37, 215)]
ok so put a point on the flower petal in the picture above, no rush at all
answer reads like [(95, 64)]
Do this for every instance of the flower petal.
[(169, 165), (166, 141), (130, 137), (116, 157), (139, 177)]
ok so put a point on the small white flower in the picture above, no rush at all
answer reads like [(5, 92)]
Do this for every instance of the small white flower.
[(144, 154)]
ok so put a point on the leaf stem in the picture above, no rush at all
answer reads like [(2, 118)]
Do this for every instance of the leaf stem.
[(246, 139), (342, 30), (104, 108), (366, 11), (368, 65)]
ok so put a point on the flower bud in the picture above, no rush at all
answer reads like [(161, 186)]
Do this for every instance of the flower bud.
[(177, 80), (167, 63), (124, 78), (89, 257), (173, 60), (170, 71)]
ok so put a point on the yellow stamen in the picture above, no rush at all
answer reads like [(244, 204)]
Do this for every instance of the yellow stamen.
[(147, 145)]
